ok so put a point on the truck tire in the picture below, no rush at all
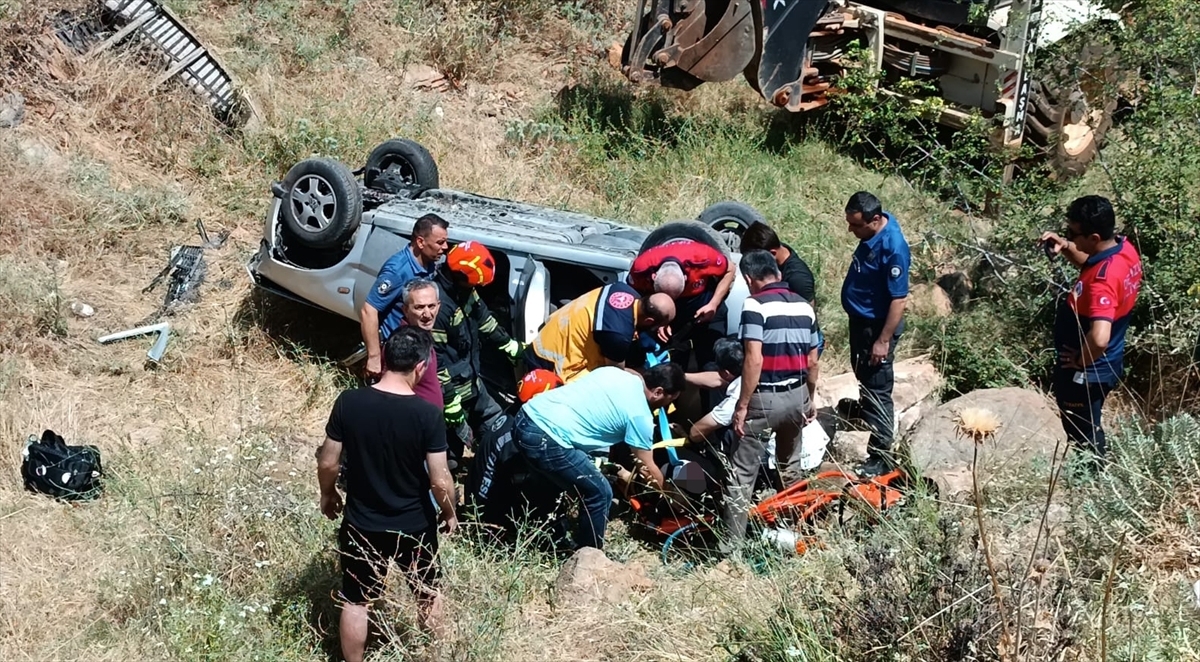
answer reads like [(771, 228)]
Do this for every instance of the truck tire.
[(398, 164), (1071, 105), (730, 220), (322, 203)]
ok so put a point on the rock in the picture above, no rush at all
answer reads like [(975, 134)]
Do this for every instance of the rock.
[(1030, 430), (929, 300), (849, 447), (589, 575), (957, 286), (916, 380), (422, 76), (82, 309), (12, 110)]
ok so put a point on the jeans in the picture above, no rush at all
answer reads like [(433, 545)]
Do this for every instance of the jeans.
[(875, 382), (568, 469), (1080, 406)]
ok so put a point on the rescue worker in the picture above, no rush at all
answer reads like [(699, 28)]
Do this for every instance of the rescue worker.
[(598, 329), (779, 382), (694, 250), (498, 488), (558, 431), (1091, 320), (463, 324), (874, 296), (382, 312)]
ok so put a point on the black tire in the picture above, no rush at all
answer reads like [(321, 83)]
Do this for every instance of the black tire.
[(400, 163), (322, 203), (730, 219), (1071, 105)]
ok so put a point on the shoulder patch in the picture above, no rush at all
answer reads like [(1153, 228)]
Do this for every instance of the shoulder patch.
[(1078, 291), (1105, 301), (620, 300), (383, 287), (895, 271)]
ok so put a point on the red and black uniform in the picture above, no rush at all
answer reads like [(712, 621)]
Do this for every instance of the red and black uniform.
[(1106, 290), (702, 265)]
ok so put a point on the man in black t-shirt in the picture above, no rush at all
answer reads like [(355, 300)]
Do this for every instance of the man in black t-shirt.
[(794, 271), (395, 446)]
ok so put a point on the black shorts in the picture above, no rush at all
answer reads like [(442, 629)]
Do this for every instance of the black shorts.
[(365, 556)]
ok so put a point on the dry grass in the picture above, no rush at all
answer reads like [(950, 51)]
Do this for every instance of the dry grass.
[(208, 543)]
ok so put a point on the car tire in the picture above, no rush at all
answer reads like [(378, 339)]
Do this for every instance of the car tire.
[(730, 220), (398, 164), (322, 203)]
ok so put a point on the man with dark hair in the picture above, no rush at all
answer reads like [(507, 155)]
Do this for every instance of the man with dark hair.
[(380, 315), (874, 296), (597, 329), (779, 381), (559, 430), (1091, 321), (395, 446), (795, 273)]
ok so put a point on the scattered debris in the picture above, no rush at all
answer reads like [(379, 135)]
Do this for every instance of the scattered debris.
[(423, 76), (157, 350), (79, 34), (186, 270), (12, 110), (82, 309), (184, 56)]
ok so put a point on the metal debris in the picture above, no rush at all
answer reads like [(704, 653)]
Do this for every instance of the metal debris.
[(185, 271), (157, 350), (187, 58)]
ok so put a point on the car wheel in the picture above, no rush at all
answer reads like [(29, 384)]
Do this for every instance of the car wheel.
[(398, 164), (322, 203), (730, 220)]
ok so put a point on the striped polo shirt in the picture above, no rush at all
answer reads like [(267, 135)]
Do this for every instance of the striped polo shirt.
[(785, 324)]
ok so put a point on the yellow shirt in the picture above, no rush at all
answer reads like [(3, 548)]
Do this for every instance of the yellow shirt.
[(596, 329)]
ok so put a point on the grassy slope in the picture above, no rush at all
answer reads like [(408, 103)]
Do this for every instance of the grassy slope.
[(208, 544)]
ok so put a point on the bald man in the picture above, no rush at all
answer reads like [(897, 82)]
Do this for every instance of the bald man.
[(597, 329)]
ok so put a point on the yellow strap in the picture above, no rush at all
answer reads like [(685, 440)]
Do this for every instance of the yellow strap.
[(670, 443)]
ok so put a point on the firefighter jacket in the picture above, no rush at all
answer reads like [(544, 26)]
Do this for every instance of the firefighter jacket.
[(463, 321)]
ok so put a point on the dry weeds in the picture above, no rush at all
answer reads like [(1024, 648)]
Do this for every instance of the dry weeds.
[(208, 541)]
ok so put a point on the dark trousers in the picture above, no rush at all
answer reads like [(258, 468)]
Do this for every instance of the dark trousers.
[(875, 382), (484, 414), (1080, 405)]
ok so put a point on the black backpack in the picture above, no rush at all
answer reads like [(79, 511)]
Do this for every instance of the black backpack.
[(64, 472)]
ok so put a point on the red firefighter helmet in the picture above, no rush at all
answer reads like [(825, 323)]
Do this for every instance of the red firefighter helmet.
[(473, 260), (537, 381)]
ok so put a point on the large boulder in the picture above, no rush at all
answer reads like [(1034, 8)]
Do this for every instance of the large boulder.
[(929, 300), (590, 576), (1029, 432)]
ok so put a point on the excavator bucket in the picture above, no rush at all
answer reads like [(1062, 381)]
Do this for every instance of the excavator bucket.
[(783, 72), (682, 43)]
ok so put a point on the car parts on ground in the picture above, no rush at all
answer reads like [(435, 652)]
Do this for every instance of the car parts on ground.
[(184, 56), (162, 331)]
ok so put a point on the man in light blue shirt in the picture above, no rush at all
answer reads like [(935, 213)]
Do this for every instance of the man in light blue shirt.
[(556, 431)]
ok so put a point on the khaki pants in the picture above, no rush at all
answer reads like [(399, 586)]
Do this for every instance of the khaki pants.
[(783, 413)]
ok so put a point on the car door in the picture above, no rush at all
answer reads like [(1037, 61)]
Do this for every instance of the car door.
[(531, 300)]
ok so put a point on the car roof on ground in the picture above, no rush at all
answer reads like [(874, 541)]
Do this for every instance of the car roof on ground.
[(516, 227)]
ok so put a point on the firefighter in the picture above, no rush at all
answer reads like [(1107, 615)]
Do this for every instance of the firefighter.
[(463, 324), (598, 329)]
